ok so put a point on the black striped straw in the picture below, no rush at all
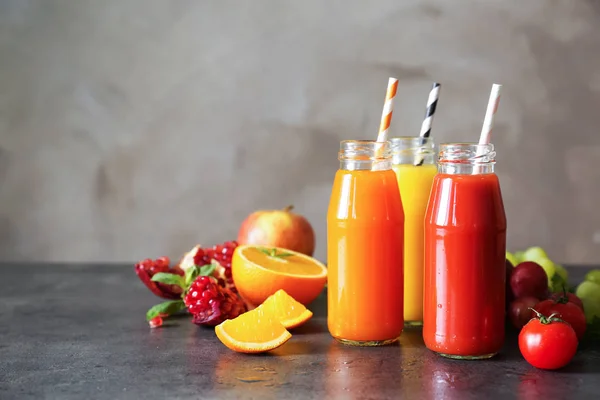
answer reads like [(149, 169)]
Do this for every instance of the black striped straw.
[(432, 101)]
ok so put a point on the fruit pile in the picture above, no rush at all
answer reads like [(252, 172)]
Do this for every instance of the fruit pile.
[(200, 282), (535, 281), (589, 293), (556, 274), (539, 304)]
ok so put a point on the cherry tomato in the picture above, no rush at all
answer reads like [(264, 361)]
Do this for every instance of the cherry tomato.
[(566, 298), (568, 312), (547, 342)]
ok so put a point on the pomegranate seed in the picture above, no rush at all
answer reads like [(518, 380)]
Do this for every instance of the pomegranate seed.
[(147, 268), (161, 262), (210, 303), (155, 322)]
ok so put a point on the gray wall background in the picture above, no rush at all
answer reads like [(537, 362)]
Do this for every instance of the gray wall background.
[(136, 128)]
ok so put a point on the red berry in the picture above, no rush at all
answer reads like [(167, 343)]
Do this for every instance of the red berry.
[(210, 303)]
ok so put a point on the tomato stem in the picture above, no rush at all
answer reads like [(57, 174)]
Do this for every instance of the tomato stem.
[(563, 298), (546, 320)]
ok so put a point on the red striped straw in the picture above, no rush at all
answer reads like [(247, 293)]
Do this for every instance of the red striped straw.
[(388, 108), (488, 122)]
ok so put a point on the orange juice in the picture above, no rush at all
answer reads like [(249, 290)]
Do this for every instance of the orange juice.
[(415, 183), (365, 241)]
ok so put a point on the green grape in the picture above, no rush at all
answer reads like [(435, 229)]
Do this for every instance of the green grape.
[(588, 290), (562, 272), (511, 257), (519, 257), (589, 293), (548, 266), (534, 254), (591, 310), (593, 276), (557, 284)]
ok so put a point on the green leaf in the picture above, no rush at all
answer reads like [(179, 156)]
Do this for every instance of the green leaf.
[(169, 279), (167, 308), (282, 255), (273, 253), (207, 270), (266, 251), (190, 275)]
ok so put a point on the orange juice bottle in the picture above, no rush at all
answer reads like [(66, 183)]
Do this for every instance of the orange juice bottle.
[(365, 241), (413, 162)]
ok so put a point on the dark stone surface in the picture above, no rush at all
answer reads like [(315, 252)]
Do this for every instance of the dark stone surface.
[(73, 332)]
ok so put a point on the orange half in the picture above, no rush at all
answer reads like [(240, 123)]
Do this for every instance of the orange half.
[(286, 309), (252, 332), (259, 272)]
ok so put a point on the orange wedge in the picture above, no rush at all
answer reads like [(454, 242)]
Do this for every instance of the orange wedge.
[(259, 272), (252, 332), (286, 309)]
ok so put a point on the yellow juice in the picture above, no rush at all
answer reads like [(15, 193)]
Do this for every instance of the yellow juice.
[(415, 185)]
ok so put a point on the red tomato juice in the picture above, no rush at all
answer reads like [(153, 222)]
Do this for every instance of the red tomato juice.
[(464, 282)]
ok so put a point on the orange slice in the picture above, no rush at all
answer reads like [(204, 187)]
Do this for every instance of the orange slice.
[(259, 272), (252, 332), (286, 309)]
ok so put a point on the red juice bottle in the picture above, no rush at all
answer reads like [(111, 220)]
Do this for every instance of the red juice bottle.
[(465, 252)]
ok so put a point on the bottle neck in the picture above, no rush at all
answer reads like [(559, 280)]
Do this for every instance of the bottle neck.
[(364, 155), (465, 169), (349, 165), (412, 150), (466, 159)]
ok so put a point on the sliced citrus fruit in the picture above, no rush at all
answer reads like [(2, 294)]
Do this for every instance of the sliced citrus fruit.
[(286, 309), (259, 272), (252, 332)]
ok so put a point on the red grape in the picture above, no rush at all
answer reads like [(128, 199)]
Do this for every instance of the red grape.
[(529, 279), (519, 311)]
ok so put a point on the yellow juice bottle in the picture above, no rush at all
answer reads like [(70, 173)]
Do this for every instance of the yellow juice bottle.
[(415, 183)]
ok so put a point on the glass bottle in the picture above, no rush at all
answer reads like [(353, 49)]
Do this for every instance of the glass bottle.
[(465, 251), (413, 161), (365, 240)]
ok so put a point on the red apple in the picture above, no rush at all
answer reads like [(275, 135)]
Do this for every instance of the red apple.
[(278, 228)]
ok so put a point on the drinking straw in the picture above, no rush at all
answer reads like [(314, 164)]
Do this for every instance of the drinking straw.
[(386, 117), (432, 101), (388, 108), (488, 121)]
